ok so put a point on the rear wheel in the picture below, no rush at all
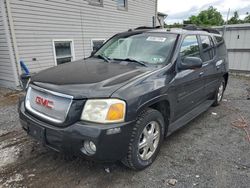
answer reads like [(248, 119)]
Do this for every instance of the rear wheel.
[(219, 93), (146, 139)]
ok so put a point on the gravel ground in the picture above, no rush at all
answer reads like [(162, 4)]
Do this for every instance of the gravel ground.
[(208, 152)]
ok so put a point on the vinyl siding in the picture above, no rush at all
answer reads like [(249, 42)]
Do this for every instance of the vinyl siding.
[(7, 71), (38, 22), (239, 61), (238, 44), (237, 38)]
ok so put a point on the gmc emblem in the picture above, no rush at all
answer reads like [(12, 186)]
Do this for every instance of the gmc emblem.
[(44, 102)]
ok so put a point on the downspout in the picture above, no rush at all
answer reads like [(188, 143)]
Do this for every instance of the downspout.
[(13, 37), (156, 11)]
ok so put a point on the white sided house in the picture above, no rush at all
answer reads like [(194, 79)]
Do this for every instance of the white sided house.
[(45, 33), (237, 38)]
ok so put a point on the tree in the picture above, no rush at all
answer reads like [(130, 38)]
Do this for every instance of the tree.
[(174, 25), (209, 17), (235, 19), (247, 18)]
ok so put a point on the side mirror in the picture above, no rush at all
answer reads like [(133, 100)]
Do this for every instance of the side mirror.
[(190, 63)]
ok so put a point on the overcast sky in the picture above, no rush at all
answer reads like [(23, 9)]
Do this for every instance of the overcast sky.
[(178, 10)]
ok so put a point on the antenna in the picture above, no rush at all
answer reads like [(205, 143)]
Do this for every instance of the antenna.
[(227, 16), (224, 28)]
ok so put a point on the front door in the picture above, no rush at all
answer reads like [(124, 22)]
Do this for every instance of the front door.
[(189, 84)]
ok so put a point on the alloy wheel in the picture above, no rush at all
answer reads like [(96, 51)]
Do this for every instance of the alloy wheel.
[(149, 140), (220, 92)]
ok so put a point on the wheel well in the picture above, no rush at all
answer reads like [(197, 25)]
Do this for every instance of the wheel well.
[(164, 108), (225, 76)]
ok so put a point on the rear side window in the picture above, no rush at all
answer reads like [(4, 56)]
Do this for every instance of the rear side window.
[(207, 47), (190, 47)]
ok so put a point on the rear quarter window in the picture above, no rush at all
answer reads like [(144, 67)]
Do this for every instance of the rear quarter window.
[(220, 45)]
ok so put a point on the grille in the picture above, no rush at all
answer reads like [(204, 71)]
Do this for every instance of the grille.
[(48, 105)]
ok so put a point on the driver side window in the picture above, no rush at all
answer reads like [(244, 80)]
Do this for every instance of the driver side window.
[(190, 47)]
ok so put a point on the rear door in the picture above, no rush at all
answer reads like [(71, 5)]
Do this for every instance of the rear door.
[(189, 84), (210, 68)]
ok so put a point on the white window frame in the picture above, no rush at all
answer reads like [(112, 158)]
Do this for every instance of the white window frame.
[(71, 48), (95, 39)]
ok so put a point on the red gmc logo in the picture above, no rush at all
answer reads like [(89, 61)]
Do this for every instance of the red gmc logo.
[(44, 102)]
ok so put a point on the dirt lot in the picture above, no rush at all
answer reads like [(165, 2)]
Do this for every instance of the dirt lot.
[(208, 152)]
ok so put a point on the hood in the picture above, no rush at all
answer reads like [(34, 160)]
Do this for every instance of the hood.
[(89, 78)]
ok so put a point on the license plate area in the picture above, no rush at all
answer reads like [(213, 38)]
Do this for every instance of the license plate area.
[(37, 132)]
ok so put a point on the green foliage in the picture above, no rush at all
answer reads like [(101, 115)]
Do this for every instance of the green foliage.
[(174, 25), (247, 19), (209, 17), (235, 19)]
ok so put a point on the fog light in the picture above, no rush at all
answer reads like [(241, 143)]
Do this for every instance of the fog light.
[(89, 147)]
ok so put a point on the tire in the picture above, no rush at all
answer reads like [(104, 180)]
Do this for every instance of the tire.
[(149, 124), (219, 93)]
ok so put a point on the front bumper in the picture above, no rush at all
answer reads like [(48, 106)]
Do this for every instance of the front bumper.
[(70, 139)]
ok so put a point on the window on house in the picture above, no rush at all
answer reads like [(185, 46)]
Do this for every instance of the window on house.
[(95, 2), (63, 51), (190, 47), (122, 4), (207, 47), (97, 43)]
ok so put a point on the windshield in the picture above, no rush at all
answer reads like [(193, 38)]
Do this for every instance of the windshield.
[(150, 48)]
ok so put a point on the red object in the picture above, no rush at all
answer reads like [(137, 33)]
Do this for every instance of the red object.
[(44, 102)]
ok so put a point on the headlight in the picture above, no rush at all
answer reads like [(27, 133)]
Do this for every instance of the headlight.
[(104, 111)]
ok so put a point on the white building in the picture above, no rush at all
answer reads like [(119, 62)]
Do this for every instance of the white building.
[(237, 38), (45, 33)]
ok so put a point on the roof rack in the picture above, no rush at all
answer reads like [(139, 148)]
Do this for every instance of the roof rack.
[(198, 28), (145, 27)]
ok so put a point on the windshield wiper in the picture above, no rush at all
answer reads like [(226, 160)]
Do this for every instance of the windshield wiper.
[(134, 60), (104, 58)]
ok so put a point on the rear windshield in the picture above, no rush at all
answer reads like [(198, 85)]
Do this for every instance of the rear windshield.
[(151, 48)]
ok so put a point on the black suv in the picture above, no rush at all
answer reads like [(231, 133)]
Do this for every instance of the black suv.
[(121, 102)]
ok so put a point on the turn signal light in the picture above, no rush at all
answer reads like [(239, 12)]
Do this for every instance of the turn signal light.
[(116, 112)]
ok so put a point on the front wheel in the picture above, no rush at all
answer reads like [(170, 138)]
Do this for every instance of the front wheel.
[(146, 139), (219, 93)]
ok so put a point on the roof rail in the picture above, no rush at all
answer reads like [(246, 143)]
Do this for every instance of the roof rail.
[(145, 27), (198, 28)]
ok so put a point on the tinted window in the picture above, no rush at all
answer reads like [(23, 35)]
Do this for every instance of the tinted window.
[(190, 47), (220, 45), (152, 48), (207, 47), (218, 39)]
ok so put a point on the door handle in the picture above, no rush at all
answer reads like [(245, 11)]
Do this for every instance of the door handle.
[(201, 73), (218, 64)]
